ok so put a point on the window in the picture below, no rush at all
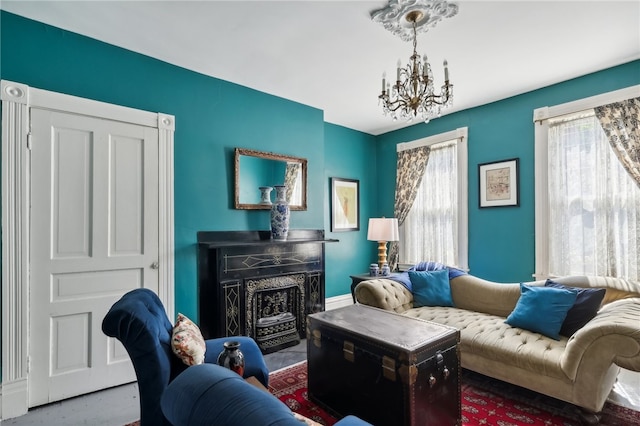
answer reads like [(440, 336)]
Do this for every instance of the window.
[(436, 227), (587, 206)]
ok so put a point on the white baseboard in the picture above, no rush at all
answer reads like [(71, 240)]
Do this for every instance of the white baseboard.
[(13, 399), (338, 302)]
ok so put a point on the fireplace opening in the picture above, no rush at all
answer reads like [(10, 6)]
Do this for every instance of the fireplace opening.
[(275, 311)]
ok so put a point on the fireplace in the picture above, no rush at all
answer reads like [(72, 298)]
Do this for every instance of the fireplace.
[(275, 306), (253, 286)]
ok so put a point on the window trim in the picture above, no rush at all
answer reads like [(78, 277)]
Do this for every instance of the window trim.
[(461, 134), (542, 117)]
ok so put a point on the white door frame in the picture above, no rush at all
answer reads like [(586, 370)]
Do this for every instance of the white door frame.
[(17, 99)]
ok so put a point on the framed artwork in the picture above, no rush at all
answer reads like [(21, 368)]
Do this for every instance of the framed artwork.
[(345, 205), (499, 183)]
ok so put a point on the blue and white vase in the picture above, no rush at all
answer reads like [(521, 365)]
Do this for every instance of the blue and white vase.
[(385, 271), (265, 195), (280, 214)]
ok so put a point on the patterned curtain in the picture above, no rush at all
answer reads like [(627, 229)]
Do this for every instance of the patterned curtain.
[(290, 176), (621, 123), (430, 229), (410, 169)]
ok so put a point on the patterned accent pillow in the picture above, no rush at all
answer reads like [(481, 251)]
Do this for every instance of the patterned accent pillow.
[(187, 341)]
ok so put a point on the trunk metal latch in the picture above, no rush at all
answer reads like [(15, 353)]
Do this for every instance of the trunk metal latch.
[(348, 351)]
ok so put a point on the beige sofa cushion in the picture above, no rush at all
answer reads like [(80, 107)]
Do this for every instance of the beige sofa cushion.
[(489, 336), (475, 294)]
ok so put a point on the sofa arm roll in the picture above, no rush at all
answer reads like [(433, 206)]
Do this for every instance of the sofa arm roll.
[(384, 294), (611, 337)]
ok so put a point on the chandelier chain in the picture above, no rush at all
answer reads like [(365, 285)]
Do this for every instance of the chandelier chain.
[(415, 39)]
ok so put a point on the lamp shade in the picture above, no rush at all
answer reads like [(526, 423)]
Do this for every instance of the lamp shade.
[(383, 229)]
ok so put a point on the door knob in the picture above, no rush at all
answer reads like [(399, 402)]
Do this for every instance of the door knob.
[(155, 265)]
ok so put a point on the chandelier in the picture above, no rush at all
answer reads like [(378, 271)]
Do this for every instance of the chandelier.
[(412, 95)]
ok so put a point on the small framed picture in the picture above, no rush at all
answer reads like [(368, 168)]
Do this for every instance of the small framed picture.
[(345, 204), (499, 183)]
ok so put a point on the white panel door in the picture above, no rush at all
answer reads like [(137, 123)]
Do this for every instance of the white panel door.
[(94, 236)]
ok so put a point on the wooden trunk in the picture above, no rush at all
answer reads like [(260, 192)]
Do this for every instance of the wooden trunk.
[(383, 367)]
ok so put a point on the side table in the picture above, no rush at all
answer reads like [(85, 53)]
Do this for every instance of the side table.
[(357, 279)]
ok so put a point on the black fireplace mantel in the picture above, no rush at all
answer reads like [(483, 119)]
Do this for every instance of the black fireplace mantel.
[(230, 261), (214, 239)]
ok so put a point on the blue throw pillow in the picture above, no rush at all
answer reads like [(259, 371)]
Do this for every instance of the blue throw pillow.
[(542, 309), (586, 307), (431, 288)]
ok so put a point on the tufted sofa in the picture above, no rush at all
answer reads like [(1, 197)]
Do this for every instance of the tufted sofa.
[(580, 370)]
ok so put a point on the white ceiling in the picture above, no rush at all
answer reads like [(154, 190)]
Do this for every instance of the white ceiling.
[(330, 55)]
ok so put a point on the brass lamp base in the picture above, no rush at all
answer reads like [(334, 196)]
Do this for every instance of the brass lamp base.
[(382, 253)]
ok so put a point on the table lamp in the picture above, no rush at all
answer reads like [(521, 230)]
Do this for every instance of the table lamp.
[(383, 230)]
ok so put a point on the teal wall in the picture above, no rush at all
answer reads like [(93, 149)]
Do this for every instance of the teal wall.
[(350, 155), (212, 118), (501, 240)]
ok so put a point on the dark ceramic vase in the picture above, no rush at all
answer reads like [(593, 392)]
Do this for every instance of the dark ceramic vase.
[(231, 357)]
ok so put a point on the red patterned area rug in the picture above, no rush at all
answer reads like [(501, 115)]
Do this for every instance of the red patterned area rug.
[(484, 402), (289, 384)]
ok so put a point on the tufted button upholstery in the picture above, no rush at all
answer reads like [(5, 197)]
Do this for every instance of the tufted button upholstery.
[(384, 294), (489, 336)]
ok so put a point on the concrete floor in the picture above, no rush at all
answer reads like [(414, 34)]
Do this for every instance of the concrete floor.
[(120, 405)]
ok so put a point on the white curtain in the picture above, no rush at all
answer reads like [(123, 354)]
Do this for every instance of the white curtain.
[(594, 205), (430, 230)]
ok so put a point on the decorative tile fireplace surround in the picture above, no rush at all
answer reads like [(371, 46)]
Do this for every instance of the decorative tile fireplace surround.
[(253, 286)]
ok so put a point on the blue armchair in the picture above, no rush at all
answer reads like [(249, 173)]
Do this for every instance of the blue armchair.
[(140, 322), (206, 395)]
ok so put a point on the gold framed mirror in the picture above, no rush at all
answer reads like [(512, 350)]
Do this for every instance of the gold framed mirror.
[(256, 169)]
